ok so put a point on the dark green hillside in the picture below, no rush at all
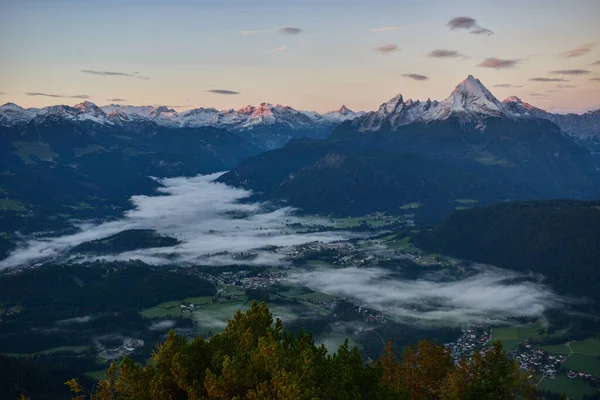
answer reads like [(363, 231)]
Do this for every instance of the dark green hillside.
[(128, 240), (52, 171), (37, 382), (557, 238), (356, 172)]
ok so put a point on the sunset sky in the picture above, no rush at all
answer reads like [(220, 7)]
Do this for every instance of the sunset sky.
[(311, 55)]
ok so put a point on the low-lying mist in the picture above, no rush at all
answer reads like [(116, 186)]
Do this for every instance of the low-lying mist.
[(489, 295), (209, 217)]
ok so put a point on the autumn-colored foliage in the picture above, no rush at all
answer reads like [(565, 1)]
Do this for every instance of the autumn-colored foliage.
[(255, 359)]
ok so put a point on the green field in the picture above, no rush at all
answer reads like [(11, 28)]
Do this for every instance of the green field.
[(97, 375), (91, 148), (72, 349), (573, 388), (12, 205), (402, 244), (583, 363), (510, 344), (411, 206), (590, 346), (557, 349), (529, 332), (27, 151), (467, 201)]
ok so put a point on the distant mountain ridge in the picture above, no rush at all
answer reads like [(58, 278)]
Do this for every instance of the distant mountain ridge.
[(266, 125)]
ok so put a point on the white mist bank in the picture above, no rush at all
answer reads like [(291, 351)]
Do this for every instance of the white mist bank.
[(490, 295), (197, 211)]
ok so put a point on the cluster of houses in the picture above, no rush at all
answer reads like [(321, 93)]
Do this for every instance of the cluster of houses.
[(531, 358), (469, 340)]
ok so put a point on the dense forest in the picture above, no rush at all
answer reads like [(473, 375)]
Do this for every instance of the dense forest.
[(104, 294), (255, 359), (558, 238)]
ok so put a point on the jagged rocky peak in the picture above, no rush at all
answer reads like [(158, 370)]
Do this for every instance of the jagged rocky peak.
[(90, 108), (393, 105)]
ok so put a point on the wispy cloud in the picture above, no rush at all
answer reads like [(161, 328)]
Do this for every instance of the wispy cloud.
[(570, 72), (394, 28), (416, 77), (386, 48), (566, 86), (59, 96), (279, 49), (554, 91), (469, 24), (444, 53), (222, 91), (288, 30), (579, 51), (2, 93), (549, 80), (594, 79), (478, 30), (498, 63), (113, 73), (538, 95), (508, 85), (285, 30), (116, 99), (595, 63)]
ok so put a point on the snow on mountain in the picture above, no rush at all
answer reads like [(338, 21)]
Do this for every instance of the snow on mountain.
[(12, 114), (143, 111), (470, 99)]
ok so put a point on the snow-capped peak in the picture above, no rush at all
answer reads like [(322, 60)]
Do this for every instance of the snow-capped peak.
[(470, 97)]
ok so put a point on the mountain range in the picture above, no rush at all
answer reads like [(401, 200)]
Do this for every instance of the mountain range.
[(267, 126)]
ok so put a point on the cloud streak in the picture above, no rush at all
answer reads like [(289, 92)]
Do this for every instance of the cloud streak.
[(498, 63), (394, 28), (595, 63), (469, 24), (279, 49), (386, 48), (58, 96), (113, 73), (508, 85), (444, 53), (116, 99), (489, 295), (416, 77), (594, 79), (548, 80), (222, 91), (284, 30), (579, 51), (570, 72), (211, 220)]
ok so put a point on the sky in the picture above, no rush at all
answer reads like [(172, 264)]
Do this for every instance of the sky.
[(310, 55)]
